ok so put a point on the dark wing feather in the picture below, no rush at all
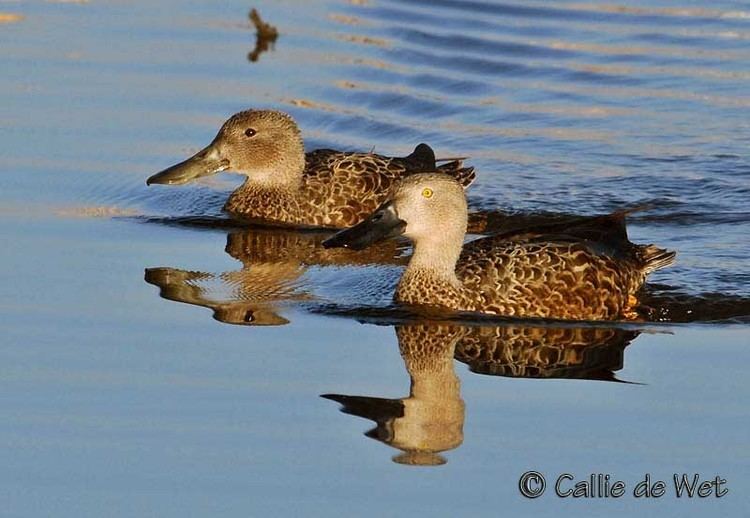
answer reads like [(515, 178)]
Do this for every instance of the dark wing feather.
[(422, 160)]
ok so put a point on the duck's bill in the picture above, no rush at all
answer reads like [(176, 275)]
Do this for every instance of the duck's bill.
[(382, 224), (206, 162)]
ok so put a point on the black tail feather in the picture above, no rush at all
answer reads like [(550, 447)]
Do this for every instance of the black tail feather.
[(421, 159), (653, 258)]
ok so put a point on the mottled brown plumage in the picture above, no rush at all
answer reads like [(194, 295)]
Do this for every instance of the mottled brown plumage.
[(285, 186), (588, 271), (544, 352)]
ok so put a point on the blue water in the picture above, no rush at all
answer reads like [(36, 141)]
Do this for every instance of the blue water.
[(118, 402)]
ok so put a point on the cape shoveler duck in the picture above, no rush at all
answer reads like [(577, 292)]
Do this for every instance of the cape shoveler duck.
[(588, 272), (286, 186)]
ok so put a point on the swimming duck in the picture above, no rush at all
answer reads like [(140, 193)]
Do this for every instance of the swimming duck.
[(586, 272), (285, 186)]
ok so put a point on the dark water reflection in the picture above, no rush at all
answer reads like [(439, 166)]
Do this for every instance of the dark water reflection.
[(265, 36), (430, 419)]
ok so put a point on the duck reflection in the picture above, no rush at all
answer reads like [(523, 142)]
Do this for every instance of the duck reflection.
[(593, 353), (274, 262), (430, 419)]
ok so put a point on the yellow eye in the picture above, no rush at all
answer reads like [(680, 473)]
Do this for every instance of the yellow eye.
[(427, 192)]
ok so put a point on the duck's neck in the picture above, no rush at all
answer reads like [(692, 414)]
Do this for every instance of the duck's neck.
[(283, 174), (265, 202), (438, 255), (271, 192), (435, 393), (428, 353), (430, 278), (278, 184)]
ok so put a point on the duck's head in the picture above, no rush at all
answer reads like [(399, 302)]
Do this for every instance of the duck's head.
[(264, 145), (422, 207)]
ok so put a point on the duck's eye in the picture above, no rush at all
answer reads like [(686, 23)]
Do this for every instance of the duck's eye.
[(427, 192), (250, 132)]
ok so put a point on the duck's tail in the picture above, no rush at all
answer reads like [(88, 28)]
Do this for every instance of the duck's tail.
[(421, 159), (464, 175), (653, 258)]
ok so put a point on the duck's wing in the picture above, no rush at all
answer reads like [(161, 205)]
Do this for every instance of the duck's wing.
[(533, 249), (421, 159), (464, 175), (588, 270), (367, 172), (609, 227), (496, 222), (602, 235), (346, 165), (341, 189), (545, 276)]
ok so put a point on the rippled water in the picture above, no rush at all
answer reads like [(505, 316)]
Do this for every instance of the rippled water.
[(119, 402)]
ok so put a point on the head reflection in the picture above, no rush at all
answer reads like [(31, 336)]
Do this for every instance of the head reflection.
[(430, 420)]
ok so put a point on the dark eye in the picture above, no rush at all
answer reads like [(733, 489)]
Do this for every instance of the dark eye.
[(249, 132)]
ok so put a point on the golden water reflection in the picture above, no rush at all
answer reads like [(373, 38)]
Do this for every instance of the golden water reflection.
[(272, 274), (430, 420)]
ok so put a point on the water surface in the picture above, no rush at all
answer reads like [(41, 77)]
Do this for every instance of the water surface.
[(118, 401)]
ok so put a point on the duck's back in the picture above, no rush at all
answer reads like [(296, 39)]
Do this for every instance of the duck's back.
[(341, 189), (588, 271)]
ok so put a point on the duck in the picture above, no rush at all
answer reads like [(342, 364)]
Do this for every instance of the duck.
[(570, 271), (284, 186)]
